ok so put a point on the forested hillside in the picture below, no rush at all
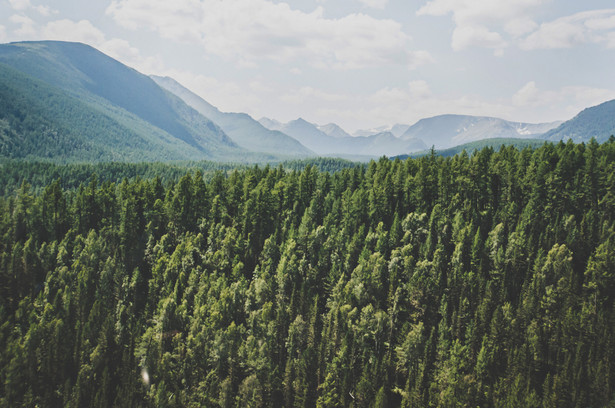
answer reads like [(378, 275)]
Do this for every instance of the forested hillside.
[(68, 102), (483, 280)]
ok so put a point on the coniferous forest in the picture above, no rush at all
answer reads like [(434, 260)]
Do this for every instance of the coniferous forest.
[(474, 280)]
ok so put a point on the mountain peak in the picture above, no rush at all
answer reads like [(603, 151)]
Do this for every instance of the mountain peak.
[(301, 121), (333, 130)]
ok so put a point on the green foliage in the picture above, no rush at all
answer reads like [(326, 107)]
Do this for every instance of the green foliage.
[(40, 174), (483, 280)]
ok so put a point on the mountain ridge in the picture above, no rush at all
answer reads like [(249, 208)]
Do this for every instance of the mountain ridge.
[(240, 127), (88, 83), (444, 131), (594, 122)]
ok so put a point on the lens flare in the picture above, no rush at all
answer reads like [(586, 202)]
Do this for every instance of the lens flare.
[(145, 376)]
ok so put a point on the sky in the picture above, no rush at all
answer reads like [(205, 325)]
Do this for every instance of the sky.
[(357, 63)]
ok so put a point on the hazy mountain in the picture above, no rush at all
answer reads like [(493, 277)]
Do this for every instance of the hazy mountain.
[(597, 121), (333, 130), (100, 108), (397, 130), (271, 124), (372, 131), (450, 130), (381, 144), (240, 127), (310, 135)]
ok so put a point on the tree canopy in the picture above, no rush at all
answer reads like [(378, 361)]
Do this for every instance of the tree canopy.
[(482, 280)]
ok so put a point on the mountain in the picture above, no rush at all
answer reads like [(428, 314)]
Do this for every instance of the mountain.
[(99, 108), (380, 144), (240, 127), (597, 122), (397, 130), (308, 135), (271, 124), (450, 130), (371, 132), (333, 130)]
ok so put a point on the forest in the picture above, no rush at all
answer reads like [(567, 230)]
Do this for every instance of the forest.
[(483, 279)]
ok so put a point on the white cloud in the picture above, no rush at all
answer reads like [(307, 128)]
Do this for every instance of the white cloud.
[(250, 30), (419, 89), (466, 11), (567, 100), (520, 26), (417, 100), (497, 24), (527, 95), (24, 5), (605, 20), (20, 5), (2, 34), (68, 30), (482, 23), (476, 35), (27, 29), (581, 96), (378, 4), (226, 96), (567, 32), (45, 10), (308, 94)]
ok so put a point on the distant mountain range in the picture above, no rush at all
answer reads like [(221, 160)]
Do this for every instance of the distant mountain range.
[(397, 130), (333, 140), (446, 131), (69, 102), (244, 130)]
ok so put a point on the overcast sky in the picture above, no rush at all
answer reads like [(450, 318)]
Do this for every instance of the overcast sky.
[(358, 63)]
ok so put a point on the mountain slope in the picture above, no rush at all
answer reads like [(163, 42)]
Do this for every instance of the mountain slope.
[(397, 130), (244, 130), (597, 121), (450, 130), (93, 92), (308, 135), (333, 130), (271, 124)]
